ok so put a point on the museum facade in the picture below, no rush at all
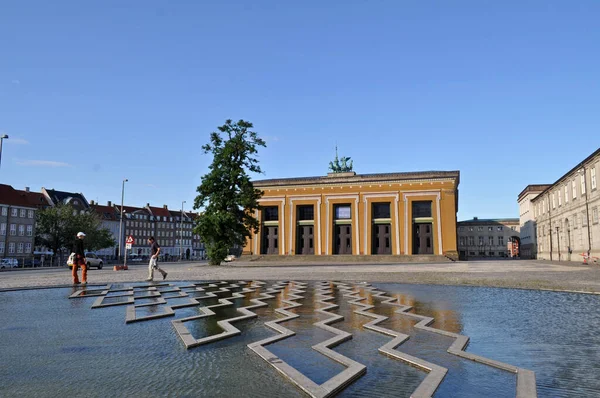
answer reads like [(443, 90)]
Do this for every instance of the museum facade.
[(344, 213)]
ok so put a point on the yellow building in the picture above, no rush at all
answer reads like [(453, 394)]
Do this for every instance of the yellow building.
[(345, 213)]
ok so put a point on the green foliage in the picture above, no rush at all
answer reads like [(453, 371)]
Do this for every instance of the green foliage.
[(226, 193), (57, 228)]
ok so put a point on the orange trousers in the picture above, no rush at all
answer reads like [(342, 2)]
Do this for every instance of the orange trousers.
[(79, 262)]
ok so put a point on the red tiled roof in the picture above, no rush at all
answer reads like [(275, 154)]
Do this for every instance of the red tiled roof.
[(160, 211), (10, 196), (105, 212), (36, 199)]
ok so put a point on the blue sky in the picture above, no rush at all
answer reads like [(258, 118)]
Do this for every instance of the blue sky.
[(92, 92)]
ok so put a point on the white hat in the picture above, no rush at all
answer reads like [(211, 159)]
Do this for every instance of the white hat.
[(80, 234)]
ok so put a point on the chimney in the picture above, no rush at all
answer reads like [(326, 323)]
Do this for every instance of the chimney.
[(92, 202), (109, 203), (475, 219), (165, 207), (26, 189)]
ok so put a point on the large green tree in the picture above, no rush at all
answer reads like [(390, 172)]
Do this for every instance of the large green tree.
[(56, 228), (226, 194)]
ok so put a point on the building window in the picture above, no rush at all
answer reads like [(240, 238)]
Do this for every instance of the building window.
[(471, 229), (595, 215), (27, 248), (13, 212), (3, 229), (21, 230), (461, 240), (1, 247), (421, 209), (553, 201), (471, 240), (574, 185), (381, 210), (559, 197), (11, 248), (501, 240), (479, 229), (566, 194), (5, 211), (492, 253), (593, 174), (500, 228), (490, 228), (13, 229), (461, 229), (23, 213), (306, 213), (582, 184), (20, 248), (271, 213), (584, 219), (491, 240), (342, 212), (481, 241)]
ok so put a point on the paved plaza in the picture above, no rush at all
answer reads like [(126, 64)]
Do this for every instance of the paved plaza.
[(528, 274)]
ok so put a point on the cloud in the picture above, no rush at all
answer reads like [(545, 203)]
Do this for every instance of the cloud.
[(16, 141), (43, 163)]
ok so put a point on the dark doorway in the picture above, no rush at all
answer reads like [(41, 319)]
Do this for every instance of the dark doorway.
[(305, 241), (422, 238), (343, 239), (270, 241), (381, 239)]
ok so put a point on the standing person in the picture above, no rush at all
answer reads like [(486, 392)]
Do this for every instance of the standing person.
[(79, 260), (155, 251)]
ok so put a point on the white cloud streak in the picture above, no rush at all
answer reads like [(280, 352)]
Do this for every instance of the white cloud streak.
[(42, 163)]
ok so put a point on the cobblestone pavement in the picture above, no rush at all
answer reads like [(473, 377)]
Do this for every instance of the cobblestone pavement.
[(529, 274)]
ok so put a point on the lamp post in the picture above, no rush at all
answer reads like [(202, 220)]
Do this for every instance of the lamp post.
[(121, 219), (181, 234), (2, 137)]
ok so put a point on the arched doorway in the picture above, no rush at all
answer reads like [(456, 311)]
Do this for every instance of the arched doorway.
[(514, 247)]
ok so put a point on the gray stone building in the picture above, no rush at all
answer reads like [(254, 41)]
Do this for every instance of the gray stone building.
[(566, 214), (527, 220), (488, 238), (17, 223)]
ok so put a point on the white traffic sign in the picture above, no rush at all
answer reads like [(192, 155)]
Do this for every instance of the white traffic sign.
[(130, 241), (127, 245)]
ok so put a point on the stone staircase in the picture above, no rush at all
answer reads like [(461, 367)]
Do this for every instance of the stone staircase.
[(345, 259)]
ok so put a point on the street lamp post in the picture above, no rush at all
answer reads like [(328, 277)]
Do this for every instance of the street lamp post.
[(121, 219), (181, 234), (2, 137)]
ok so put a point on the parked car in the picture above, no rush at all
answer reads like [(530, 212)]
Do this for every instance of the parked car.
[(92, 261), (9, 263)]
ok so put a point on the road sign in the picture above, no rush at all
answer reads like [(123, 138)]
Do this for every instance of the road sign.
[(127, 245), (130, 241)]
